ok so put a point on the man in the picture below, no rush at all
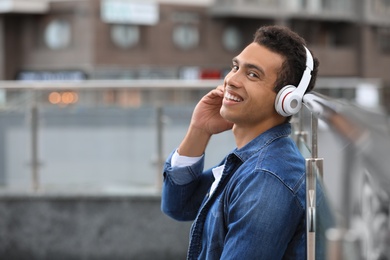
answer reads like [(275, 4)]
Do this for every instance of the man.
[(252, 205)]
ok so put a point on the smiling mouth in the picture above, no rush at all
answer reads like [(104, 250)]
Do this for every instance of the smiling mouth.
[(231, 97)]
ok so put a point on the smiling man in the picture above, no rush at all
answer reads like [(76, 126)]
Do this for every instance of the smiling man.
[(252, 204)]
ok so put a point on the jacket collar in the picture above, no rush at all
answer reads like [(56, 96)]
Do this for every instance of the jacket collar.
[(262, 140)]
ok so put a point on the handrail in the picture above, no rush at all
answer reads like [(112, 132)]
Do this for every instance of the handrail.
[(109, 84), (328, 82), (365, 136)]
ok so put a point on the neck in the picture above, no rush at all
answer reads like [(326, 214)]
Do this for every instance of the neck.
[(243, 134)]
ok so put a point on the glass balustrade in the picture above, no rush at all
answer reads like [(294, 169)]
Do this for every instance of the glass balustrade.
[(354, 222), (111, 137)]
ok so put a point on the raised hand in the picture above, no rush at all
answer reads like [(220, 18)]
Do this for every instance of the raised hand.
[(206, 120), (206, 115)]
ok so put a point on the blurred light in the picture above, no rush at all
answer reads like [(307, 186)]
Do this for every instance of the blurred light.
[(367, 95), (54, 97), (64, 98), (67, 98)]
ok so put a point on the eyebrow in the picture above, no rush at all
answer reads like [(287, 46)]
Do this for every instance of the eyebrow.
[(249, 66)]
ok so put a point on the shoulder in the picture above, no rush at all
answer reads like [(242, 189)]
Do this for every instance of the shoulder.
[(283, 160), (279, 164)]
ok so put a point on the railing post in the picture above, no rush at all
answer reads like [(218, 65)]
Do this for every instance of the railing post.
[(34, 143), (160, 145), (314, 165), (310, 209)]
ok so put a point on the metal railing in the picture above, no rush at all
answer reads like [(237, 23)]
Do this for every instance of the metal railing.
[(360, 228), (123, 131), (152, 112), (314, 170)]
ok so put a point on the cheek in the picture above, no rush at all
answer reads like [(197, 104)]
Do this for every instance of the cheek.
[(265, 101), (271, 98)]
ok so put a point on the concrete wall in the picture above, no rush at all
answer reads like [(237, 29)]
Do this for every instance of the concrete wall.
[(88, 227)]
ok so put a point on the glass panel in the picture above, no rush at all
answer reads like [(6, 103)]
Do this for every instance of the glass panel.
[(325, 219), (95, 139)]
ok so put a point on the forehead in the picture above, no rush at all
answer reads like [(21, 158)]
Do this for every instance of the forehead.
[(260, 56)]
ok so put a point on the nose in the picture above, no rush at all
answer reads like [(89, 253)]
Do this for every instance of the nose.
[(233, 79)]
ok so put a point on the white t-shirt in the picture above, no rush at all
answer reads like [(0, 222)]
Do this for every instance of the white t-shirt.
[(178, 160)]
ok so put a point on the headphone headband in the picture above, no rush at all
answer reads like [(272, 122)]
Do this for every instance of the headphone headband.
[(309, 59), (306, 77)]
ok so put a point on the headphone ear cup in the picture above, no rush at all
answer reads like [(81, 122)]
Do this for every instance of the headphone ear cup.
[(282, 101)]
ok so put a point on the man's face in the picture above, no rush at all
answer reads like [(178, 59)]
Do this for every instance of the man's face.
[(248, 88)]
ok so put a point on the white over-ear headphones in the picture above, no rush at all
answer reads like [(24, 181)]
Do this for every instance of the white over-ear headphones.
[(289, 99)]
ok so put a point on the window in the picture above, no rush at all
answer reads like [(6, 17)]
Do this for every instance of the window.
[(186, 36), (125, 36), (186, 33), (57, 34), (232, 38), (384, 39)]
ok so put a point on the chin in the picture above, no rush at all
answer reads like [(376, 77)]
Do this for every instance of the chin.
[(227, 113), (226, 117), (222, 112)]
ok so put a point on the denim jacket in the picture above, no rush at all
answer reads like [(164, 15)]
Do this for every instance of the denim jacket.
[(257, 210)]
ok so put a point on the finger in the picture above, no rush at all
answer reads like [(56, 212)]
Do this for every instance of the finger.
[(218, 91)]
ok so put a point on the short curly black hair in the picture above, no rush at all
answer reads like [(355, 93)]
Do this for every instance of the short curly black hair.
[(290, 45)]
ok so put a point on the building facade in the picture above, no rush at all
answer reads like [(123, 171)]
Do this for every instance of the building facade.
[(119, 39)]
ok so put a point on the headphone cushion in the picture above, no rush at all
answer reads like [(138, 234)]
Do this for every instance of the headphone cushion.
[(282, 99)]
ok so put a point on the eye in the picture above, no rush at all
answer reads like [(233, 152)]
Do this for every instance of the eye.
[(252, 75), (234, 67)]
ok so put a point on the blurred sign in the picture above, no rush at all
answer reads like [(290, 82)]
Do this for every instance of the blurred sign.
[(129, 12), (51, 75), (189, 73), (23, 6), (210, 74)]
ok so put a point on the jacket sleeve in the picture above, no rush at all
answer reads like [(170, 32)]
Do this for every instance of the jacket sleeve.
[(184, 189)]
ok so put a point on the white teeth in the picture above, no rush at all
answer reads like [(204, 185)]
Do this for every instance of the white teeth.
[(231, 97)]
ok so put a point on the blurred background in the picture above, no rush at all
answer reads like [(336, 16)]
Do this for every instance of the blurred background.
[(94, 94)]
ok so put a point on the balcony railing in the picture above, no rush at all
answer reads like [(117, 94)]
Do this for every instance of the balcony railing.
[(358, 226), (111, 137), (93, 135)]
